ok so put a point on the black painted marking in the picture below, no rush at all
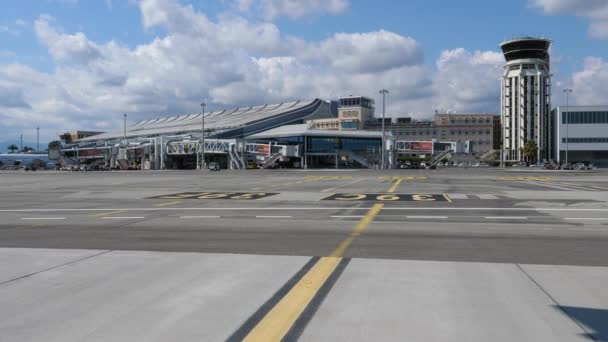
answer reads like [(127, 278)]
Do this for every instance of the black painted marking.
[(217, 195), (387, 197), (300, 324), (257, 316)]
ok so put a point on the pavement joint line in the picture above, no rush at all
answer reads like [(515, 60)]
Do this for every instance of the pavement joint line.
[(346, 216), (587, 218), (43, 218), (288, 318), (55, 267), (168, 204), (588, 333)]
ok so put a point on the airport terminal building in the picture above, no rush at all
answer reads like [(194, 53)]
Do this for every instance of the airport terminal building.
[(580, 134), (299, 134), (258, 136)]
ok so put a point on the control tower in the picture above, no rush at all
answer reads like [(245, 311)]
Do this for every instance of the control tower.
[(526, 97)]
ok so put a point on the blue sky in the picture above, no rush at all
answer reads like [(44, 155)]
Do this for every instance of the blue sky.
[(436, 24), (70, 64)]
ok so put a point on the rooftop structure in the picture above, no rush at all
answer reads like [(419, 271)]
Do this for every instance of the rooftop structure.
[(225, 124)]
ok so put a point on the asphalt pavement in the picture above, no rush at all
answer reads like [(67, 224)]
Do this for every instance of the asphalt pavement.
[(437, 255)]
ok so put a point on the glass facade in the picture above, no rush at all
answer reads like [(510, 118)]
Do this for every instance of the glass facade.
[(332, 144), (597, 140), (584, 117)]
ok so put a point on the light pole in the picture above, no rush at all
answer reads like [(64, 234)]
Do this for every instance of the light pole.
[(125, 129), (37, 139), (21, 143), (568, 91), (203, 105), (383, 92)]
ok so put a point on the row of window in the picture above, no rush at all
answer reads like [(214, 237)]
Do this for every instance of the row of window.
[(584, 117), (585, 140), (452, 132), (466, 120)]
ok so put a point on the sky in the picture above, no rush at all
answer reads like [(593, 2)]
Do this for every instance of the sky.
[(76, 64)]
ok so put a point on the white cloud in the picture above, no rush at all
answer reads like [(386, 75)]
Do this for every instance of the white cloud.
[(595, 10), (590, 85), (65, 47), (294, 9), (468, 81), (231, 61)]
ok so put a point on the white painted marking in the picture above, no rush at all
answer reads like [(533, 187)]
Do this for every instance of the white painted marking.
[(506, 217), (328, 189), (198, 217), (487, 197), (36, 210), (586, 218), (273, 217), (457, 196), (426, 217), (43, 218), (347, 216), (122, 217)]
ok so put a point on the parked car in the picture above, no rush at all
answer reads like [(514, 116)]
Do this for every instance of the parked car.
[(213, 166)]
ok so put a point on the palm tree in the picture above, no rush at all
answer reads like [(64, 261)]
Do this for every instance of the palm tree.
[(530, 150), (12, 148)]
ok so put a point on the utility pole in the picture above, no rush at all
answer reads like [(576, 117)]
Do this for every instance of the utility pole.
[(21, 144), (37, 139), (568, 91), (125, 129), (383, 92), (203, 105)]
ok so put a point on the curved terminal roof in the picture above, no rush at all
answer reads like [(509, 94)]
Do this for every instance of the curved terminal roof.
[(226, 123)]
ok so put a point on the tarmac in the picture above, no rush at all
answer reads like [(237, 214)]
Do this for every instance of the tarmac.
[(346, 255)]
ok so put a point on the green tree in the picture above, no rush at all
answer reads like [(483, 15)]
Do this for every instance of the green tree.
[(54, 144), (27, 149), (12, 148), (530, 151)]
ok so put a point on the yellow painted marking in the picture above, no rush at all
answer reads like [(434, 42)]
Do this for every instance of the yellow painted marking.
[(599, 187), (168, 204), (395, 186), (447, 198), (403, 177), (359, 228), (276, 324), (110, 213), (279, 320), (540, 179)]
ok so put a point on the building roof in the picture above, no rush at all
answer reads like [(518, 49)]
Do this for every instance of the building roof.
[(240, 120), (306, 130)]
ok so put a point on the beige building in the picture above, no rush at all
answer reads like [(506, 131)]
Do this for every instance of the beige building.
[(481, 130), (354, 112)]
